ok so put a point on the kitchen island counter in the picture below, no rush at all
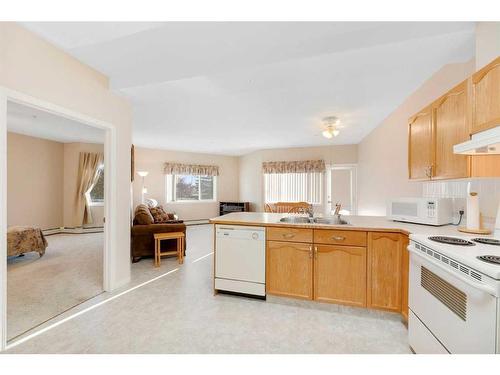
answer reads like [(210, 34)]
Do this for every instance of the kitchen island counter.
[(359, 223)]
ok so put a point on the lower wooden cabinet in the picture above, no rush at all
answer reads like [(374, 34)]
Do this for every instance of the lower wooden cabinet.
[(289, 269), (340, 274), (375, 276), (385, 252)]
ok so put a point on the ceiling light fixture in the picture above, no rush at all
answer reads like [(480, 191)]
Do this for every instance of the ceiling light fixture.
[(331, 123)]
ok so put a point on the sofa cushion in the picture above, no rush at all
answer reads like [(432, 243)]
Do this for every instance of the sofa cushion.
[(143, 216), (160, 216)]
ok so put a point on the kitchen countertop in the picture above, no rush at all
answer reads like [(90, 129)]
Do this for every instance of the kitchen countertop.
[(360, 223)]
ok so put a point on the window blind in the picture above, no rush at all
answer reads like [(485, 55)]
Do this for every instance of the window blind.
[(293, 187)]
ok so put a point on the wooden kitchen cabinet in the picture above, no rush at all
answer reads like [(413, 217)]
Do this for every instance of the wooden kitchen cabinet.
[(340, 237), (289, 234), (289, 269), (384, 269), (486, 97), (420, 147), (340, 274), (450, 127), (470, 107)]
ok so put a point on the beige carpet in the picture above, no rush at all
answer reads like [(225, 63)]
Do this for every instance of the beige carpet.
[(38, 289)]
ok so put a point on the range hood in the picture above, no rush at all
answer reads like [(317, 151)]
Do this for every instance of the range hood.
[(483, 143)]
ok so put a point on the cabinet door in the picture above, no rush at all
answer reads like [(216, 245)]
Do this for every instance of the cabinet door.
[(289, 269), (450, 128), (485, 166), (486, 97), (340, 274), (384, 270), (420, 145)]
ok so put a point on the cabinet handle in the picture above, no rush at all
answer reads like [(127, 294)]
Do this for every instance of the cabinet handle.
[(338, 238), (315, 252), (288, 235), (310, 252)]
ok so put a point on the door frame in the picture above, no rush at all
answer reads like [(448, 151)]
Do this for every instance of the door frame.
[(354, 186), (110, 157)]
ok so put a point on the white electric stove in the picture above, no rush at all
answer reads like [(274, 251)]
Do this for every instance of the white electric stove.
[(454, 294)]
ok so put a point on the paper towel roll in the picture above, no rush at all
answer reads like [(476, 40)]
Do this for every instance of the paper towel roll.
[(473, 222)]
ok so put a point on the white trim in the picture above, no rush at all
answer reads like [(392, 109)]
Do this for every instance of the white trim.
[(3, 220), (170, 191), (109, 253)]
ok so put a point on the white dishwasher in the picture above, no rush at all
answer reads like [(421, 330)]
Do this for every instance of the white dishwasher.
[(240, 259)]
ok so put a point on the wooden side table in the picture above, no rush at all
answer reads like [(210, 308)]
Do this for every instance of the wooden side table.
[(179, 236)]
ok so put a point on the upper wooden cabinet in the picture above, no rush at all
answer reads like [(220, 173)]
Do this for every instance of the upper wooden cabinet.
[(486, 97), (471, 106), (450, 126), (420, 151)]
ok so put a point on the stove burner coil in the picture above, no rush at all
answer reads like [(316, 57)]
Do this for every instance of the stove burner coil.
[(451, 240), (490, 259), (487, 241)]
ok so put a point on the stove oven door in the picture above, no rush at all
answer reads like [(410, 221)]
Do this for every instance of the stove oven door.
[(459, 314)]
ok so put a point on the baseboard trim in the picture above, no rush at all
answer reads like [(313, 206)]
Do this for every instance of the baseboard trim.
[(72, 230)]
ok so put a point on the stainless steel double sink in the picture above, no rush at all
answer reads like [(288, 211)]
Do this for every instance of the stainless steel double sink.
[(316, 220)]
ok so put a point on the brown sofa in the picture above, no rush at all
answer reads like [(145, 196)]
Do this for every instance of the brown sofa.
[(143, 230)]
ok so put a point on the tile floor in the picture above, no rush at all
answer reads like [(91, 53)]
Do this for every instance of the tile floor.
[(178, 313)]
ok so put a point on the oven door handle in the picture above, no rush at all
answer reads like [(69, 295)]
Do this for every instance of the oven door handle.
[(482, 287)]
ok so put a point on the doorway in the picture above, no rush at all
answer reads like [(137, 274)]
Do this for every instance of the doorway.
[(341, 188), (104, 208)]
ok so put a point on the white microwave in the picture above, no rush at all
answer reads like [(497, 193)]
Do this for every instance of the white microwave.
[(430, 211)]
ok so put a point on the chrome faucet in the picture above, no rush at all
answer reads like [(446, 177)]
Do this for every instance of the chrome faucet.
[(310, 211), (338, 207)]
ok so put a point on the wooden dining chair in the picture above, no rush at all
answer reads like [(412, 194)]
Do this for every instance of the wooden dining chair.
[(292, 207)]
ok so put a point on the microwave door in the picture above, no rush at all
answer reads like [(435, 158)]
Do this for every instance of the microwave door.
[(405, 211)]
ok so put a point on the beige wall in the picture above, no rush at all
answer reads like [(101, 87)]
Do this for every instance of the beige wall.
[(152, 160), (32, 66), (251, 178), (487, 42), (35, 181), (71, 165), (382, 157), (42, 183)]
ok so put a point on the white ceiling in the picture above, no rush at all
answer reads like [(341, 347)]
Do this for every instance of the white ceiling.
[(232, 88), (30, 121)]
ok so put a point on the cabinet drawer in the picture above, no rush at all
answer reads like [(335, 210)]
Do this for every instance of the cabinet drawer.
[(290, 234), (340, 237)]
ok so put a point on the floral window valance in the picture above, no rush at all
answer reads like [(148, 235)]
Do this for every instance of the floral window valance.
[(302, 166), (191, 169)]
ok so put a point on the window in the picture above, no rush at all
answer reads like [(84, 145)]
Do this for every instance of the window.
[(293, 187), (96, 194), (187, 188)]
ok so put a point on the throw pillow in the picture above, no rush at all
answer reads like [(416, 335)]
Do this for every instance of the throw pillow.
[(142, 215), (160, 216)]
